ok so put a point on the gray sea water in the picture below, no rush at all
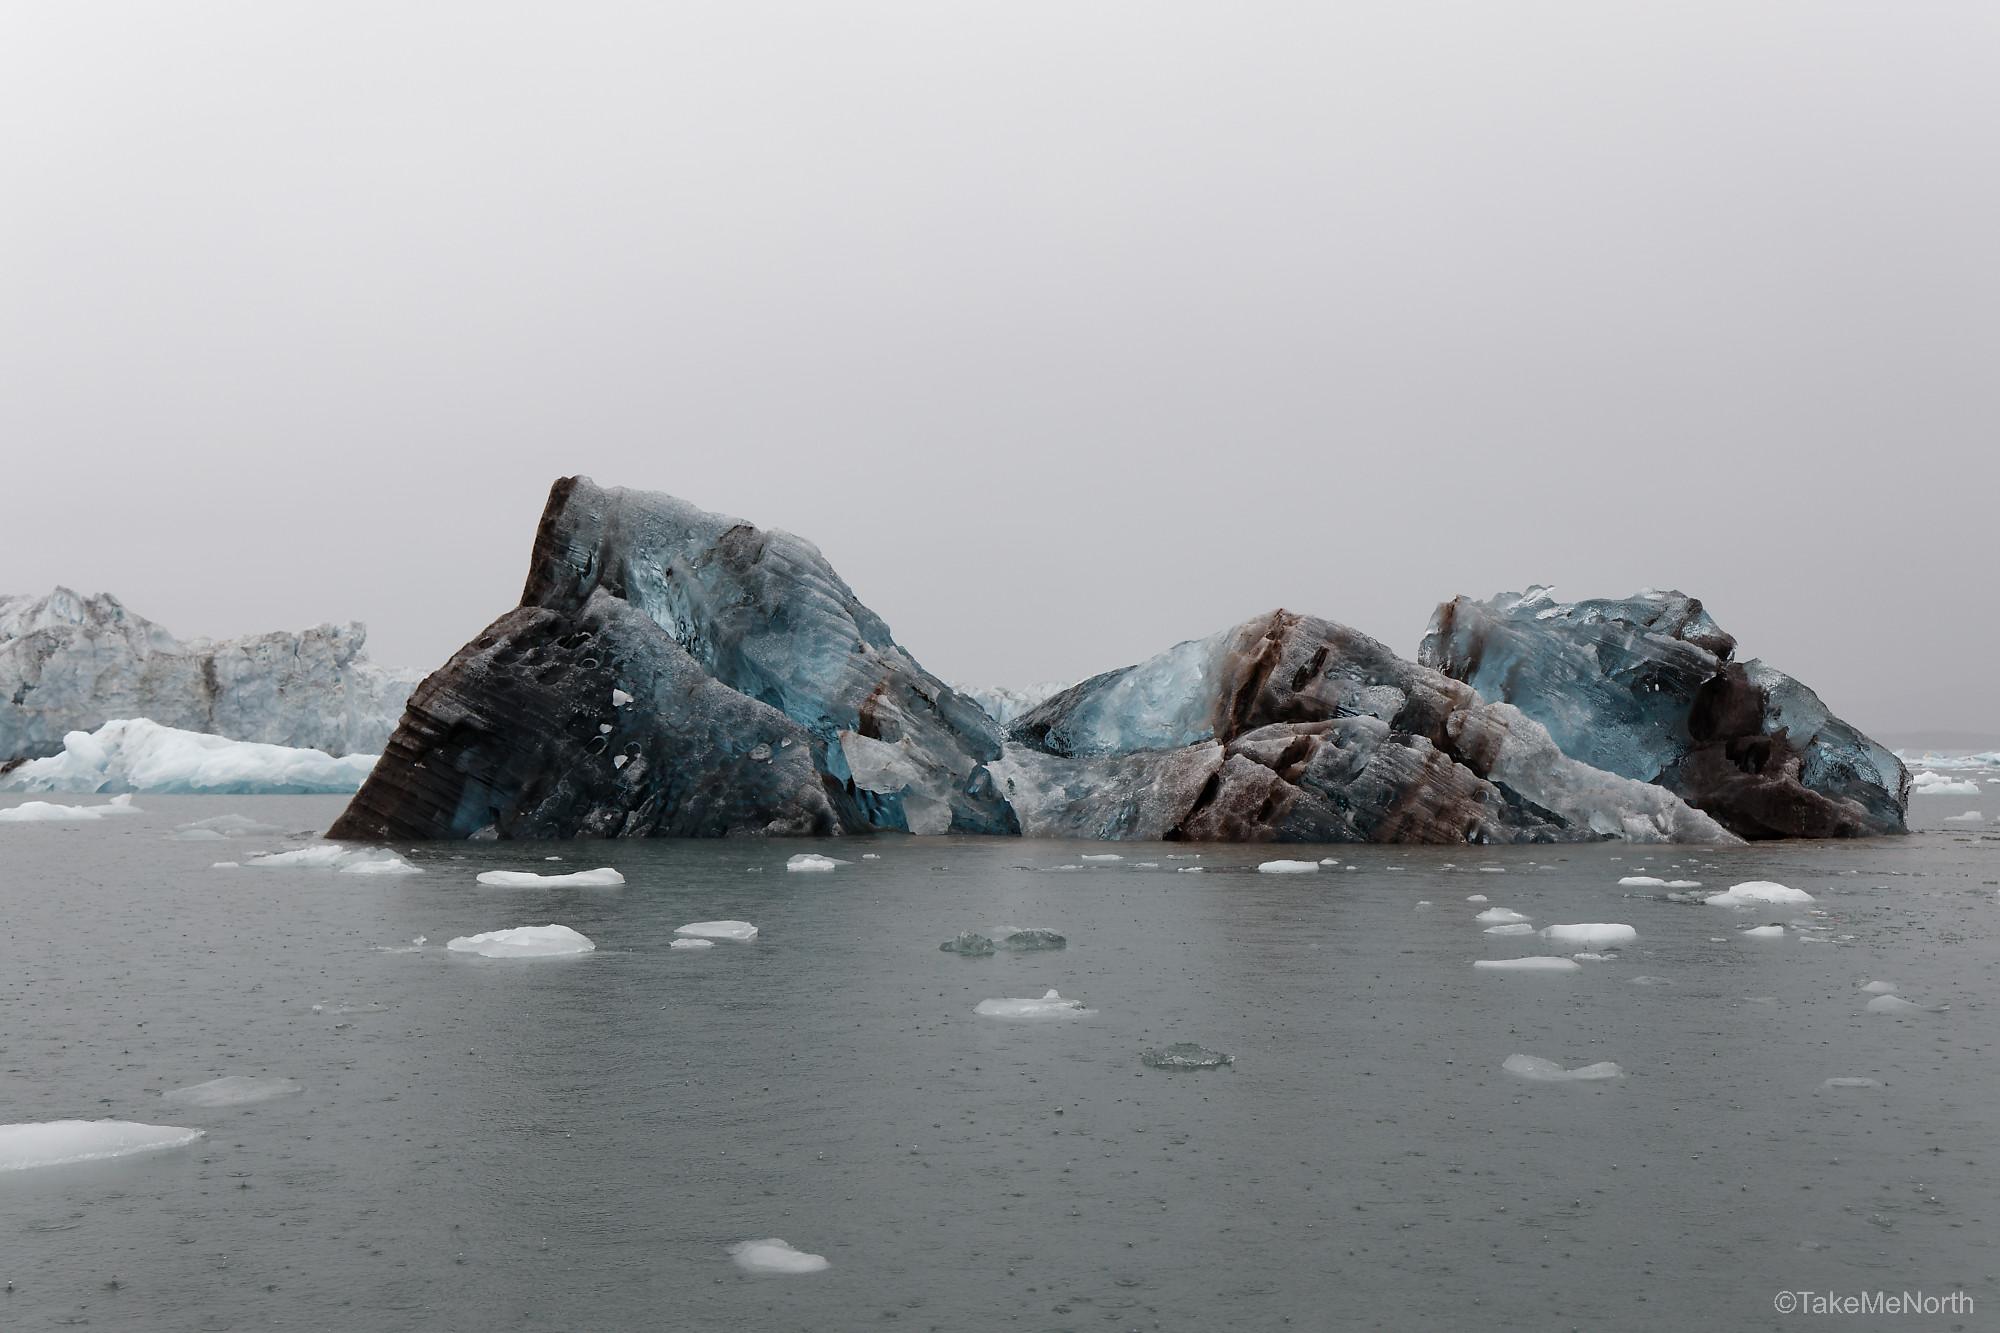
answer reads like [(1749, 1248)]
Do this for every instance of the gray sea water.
[(574, 1143)]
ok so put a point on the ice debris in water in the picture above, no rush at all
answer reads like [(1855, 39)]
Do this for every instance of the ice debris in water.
[(968, 942), (1329, 861), (1880, 988), (523, 942), (1288, 867), (718, 930), (604, 877), (333, 856), (1050, 1005), (223, 826), (227, 865), (1593, 957), (44, 812), (1184, 1055), (1969, 817), (1511, 928), (1770, 932), (1188, 870), (137, 754), (58, 1142), (1106, 856), (234, 1090), (1936, 784), (1500, 916), (1536, 1069), (1649, 981), (380, 865), (1755, 891), (1850, 1083), (870, 856), (808, 861), (1034, 937), (1594, 934), (1896, 1004), (1537, 964), (1475, 898), (1655, 882), (774, 1256), (692, 944)]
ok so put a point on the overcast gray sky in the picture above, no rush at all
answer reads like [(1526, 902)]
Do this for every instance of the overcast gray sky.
[(1067, 331)]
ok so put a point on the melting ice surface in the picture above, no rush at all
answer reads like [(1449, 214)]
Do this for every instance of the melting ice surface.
[(1050, 1005), (1535, 1068), (234, 1090), (604, 877), (548, 941), (1755, 891), (1591, 935), (718, 930), (59, 1142), (44, 812), (140, 755), (774, 1256)]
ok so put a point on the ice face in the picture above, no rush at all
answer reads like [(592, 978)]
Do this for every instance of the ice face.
[(235, 1090), (1542, 964), (141, 755), (524, 942), (1050, 1005), (1752, 892), (1537, 1070), (604, 877), (1646, 688), (1592, 935), (60, 1142), (1184, 1055), (44, 812), (774, 1256), (737, 931), (70, 663)]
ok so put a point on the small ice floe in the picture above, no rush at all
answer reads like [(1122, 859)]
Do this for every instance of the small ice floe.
[(60, 1142), (1649, 981), (1536, 964), (1189, 870), (870, 856), (235, 1090), (1146, 865), (692, 944), (1184, 1055), (1850, 1083), (604, 877), (1500, 916), (1642, 882), (1492, 870), (969, 943), (390, 864), (1751, 892), (736, 931), (1592, 934), (619, 698), (1101, 856), (1288, 867), (1422, 903), (552, 858), (1329, 860), (1511, 928), (1880, 988), (1683, 883), (45, 812), (1594, 957), (1050, 1005), (1937, 784), (1537, 1070), (222, 826), (524, 942), (333, 856), (1896, 1004), (1969, 817), (808, 861), (226, 865), (1031, 939), (1475, 897), (1770, 932), (774, 1256)]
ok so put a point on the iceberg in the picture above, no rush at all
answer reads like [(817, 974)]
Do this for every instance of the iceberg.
[(139, 755), (692, 944), (1537, 1070), (1648, 688), (604, 877), (1771, 932), (45, 812), (1032, 939), (235, 1090), (1050, 1005), (1751, 892), (774, 1256), (70, 663), (548, 941), (60, 1142), (1511, 928), (737, 931)]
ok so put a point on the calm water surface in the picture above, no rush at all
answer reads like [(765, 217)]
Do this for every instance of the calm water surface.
[(573, 1143)]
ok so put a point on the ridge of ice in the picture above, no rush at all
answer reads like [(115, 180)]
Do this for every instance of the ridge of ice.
[(548, 941), (604, 877), (60, 1142)]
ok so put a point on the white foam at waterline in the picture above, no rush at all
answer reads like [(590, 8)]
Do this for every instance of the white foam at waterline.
[(692, 944), (1536, 1069), (808, 861), (1102, 856), (1969, 817), (738, 931), (1537, 964), (1505, 916), (1757, 891), (1594, 934), (548, 941), (60, 1142), (1475, 898), (1050, 1005), (604, 877), (774, 1256), (1896, 1004), (1880, 988), (235, 1090), (1289, 868), (1512, 928), (1850, 1083), (1764, 933), (44, 812)]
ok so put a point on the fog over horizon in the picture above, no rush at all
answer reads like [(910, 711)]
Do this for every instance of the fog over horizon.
[(1066, 332)]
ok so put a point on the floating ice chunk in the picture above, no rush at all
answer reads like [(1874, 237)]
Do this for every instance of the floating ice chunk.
[(1031, 939), (524, 942), (1104, 856), (1850, 1083), (137, 754), (604, 877), (870, 856), (1189, 870), (235, 1090), (320, 856), (197, 835), (226, 865), (1511, 928), (44, 812), (1649, 981), (737, 931), (1933, 784), (1184, 1055), (692, 944), (968, 942), (1896, 1004), (1642, 882), (59, 1142), (807, 861), (774, 1256), (1329, 860), (1146, 865), (619, 698), (1969, 817), (1757, 891), (388, 864), (1593, 957), (230, 826), (1592, 935), (1683, 883), (1475, 898), (1764, 933), (1492, 870), (1502, 916), (1538, 964), (1050, 1005), (1537, 1070), (1289, 867), (1880, 988)]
